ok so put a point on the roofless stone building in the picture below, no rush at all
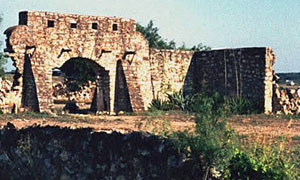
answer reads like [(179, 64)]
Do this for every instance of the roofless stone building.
[(129, 74)]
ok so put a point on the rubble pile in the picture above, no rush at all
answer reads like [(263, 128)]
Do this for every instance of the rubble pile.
[(286, 100), (7, 97), (61, 92)]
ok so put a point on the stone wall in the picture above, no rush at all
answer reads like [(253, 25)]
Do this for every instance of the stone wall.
[(61, 153), (168, 70), (43, 41), (130, 75), (243, 72)]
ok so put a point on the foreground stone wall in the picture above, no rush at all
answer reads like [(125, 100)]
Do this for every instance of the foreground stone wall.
[(243, 72), (62, 153)]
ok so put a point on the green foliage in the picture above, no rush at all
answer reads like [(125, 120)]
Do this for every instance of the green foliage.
[(178, 101), (156, 41), (197, 103), (3, 59), (198, 47), (263, 164), (158, 104), (78, 72), (213, 150), (240, 105), (211, 146)]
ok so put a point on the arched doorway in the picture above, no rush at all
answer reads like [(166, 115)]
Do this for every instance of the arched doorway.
[(82, 86)]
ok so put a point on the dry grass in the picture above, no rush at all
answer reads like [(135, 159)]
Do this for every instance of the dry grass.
[(253, 127)]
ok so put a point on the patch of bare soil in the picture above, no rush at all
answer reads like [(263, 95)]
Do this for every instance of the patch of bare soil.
[(107, 123), (268, 125), (253, 126)]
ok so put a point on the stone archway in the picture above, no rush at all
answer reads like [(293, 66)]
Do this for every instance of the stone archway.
[(48, 40), (79, 72)]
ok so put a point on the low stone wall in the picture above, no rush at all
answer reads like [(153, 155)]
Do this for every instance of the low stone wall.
[(62, 93), (62, 153)]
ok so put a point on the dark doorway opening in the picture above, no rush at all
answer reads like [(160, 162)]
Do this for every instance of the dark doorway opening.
[(81, 86)]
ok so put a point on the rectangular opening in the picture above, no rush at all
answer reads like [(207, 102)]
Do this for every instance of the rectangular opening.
[(94, 25), (73, 25), (115, 27), (23, 18), (50, 23)]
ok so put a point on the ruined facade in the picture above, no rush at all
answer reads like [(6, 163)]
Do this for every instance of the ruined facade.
[(129, 74), (43, 41)]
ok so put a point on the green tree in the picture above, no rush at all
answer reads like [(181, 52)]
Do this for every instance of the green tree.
[(3, 58), (78, 72), (156, 41)]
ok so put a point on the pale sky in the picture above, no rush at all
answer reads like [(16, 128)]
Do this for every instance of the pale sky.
[(216, 23)]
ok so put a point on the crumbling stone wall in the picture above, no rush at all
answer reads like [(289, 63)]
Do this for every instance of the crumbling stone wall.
[(243, 72), (129, 74), (43, 41), (62, 153), (168, 70), (62, 93), (7, 96)]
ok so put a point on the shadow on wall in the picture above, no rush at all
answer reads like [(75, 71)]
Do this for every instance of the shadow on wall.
[(29, 93), (230, 72), (122, 98)]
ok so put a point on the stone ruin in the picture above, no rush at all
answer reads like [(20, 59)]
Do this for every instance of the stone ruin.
[(129, 74)]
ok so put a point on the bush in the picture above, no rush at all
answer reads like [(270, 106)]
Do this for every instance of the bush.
[(264, 164), (158, 104), (240, 105), (213, 151), (196, 103), (212, 144)]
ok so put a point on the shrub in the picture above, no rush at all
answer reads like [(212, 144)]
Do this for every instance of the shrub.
[(211, 146), (158, 104), (179, 101), (213, 151), (241, 105), (264, 164)]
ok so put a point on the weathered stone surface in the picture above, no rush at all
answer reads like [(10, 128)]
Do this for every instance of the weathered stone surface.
[(286, 101), (242, 72), (130, 74), (43, 41), (62, 153)]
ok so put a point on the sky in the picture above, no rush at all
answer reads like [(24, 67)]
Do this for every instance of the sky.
[(216, 23)]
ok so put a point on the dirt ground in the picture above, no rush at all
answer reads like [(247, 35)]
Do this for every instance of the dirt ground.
[(108, 123), (267, 126)]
